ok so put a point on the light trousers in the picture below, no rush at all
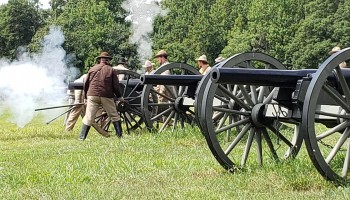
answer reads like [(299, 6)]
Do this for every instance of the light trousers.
[(94, 103)]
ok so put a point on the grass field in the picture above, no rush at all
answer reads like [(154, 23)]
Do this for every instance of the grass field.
[(43, 162)]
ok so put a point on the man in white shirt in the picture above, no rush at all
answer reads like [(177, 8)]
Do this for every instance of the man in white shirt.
[(203, 64), (121, 65)]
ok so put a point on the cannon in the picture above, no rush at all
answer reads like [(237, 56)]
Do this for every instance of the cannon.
[(252, 103), (129, 107), (250, 109), (174, 106)]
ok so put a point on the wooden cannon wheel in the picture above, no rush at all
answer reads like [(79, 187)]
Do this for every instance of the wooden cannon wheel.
[(230, 117), (199, 97), (129, 108), (326, 121), (163, 110)]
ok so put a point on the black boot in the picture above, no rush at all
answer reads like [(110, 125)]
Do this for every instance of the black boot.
[(118, 128), (84, 132)]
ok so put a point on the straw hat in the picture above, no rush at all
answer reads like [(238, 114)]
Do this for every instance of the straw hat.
[(219, 59), (148, 64), (104, 55), (335, 49), (161, 53), (202, 58)]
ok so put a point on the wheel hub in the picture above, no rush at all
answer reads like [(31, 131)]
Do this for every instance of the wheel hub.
[(258, 117), (122, 106), (179, 106)]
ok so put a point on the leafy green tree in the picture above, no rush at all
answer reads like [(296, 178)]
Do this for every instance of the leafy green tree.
[(267, 26), (171, 30), (19, 21), (89, 30), (313, 37), (193, 28), (341, 26)]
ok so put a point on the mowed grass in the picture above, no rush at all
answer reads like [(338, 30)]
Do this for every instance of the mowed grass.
[(44, 162)]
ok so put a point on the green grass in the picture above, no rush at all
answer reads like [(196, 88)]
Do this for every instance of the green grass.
[(45, 162)]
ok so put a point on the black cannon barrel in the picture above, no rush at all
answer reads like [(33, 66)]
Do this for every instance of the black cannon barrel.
[(158, 79), (75, 86), (263, 77), (80, 86)]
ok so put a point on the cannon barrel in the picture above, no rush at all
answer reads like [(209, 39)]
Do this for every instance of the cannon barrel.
[(75, 86), (80, 86), (262, 77), (178, 80)]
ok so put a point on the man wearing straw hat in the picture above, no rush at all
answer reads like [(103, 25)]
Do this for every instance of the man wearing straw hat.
[(203, 64), (335, 50), (148, 66), (219, 59), (100, 87), (121, 65), (162, 58)]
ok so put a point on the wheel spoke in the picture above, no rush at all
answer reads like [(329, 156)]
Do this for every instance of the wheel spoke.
[(336, 98), (248, 146), (135, 111), (106, 124), (268, 99), (127, 83), (163, 95), (337, 146), (225, 101), (126, 123), (343, 84), (167, 121), (161, 114), (222, 121), (246, 95), (133, 119), (235, 112), (161, 104), (335, 129), (238, 138), (259, 146), (261, 95), (171, 90), (182, 121), (230, 95), (175, 120), (332, 115), (254, 95), (238, 123), (134, 89), (269, 143), (280, 136)]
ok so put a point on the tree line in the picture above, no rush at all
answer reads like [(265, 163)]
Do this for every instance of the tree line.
[(299, 33)]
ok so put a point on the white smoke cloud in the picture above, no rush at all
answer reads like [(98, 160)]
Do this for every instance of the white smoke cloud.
[(34, 80), (142, 13)]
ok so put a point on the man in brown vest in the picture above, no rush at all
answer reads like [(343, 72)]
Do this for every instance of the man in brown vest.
[(100, 87)]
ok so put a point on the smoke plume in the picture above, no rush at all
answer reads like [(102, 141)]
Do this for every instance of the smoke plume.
[(35, 80), (142, 13)]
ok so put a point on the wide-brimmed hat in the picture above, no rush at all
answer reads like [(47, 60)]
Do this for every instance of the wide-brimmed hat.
[(104, 55), (122, 60), (202, 58), (335, 49), (148, 64), (161, 53), (219, 59)]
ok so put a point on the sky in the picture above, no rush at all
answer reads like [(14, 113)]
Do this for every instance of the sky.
[(44, 2)]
